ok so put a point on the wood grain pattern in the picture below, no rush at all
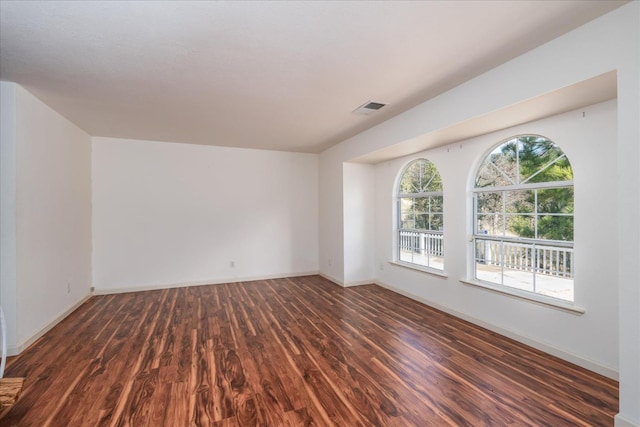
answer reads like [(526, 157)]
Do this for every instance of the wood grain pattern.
[(10, 389), (292, 352)]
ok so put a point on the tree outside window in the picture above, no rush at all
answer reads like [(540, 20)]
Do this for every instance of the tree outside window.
[(420, 216), (523, 220)]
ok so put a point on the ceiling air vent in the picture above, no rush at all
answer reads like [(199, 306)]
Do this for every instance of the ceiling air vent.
[(369, 108)]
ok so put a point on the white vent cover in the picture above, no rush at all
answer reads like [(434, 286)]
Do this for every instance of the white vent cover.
[(369, 108)]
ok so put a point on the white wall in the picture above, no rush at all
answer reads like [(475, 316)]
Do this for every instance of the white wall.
[(589, 142), (629, 226), (52, 225), (611, 42), (168, 214), (331, 241), (8, 280), (359, 219)]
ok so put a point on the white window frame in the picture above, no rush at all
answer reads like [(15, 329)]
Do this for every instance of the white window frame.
[(427, 240), (539, 247)]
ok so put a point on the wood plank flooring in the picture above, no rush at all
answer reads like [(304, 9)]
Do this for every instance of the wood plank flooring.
[(290, 352)]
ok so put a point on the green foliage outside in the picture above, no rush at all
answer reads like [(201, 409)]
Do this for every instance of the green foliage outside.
[(421, 176), (421, 197), (521, 161)]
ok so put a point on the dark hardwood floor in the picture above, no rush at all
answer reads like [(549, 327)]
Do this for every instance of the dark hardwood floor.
[(299, 351)]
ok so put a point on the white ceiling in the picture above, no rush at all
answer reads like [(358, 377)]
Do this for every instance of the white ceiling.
[(272, 75)]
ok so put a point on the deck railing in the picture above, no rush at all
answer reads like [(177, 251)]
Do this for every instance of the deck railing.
[(549, 260), (543, 259), (421, 242)]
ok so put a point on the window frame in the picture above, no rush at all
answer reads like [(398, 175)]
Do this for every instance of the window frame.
[(534, 244), (399, 196)]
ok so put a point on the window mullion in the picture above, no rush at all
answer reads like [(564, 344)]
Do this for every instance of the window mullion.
[(502, 249), (518, 162), (527, 186), (535, 213), (504, 213), (534, 257)]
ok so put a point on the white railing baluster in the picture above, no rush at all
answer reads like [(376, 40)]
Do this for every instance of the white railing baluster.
[(547, 260), (422, 243)]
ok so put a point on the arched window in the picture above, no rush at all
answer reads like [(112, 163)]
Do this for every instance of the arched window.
[(523, 218), (420, 218)]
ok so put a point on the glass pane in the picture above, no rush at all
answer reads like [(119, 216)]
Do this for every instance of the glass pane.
[(554, 272), (541, 160), (517, 261), (518, 279), (409, 223), (436, 204), (491, 224), (421, 204), (489, 202), (434, 244), (556, 287), (525, 159), (487, 261), (555, 227), (520, 201), (422, 221), (555, 200), (407, 219), (436, 256), (406, 204), (406, 255), (554, 261), (420, 176), (410, 182), (491, 175), (521, 226), (419, 259), (407, 216), (499, 168), (544, 270), (406, 242), (432, 179), (436, 222)]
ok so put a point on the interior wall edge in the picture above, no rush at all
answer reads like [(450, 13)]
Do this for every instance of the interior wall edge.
[(15, 350), (332, 279), (359, 283)]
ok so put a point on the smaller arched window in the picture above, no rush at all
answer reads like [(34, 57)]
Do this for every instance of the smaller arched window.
[(523, 218), (420, 239)]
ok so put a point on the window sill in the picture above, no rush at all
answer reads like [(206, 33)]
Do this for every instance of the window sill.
[(528, 296), (422, 269)]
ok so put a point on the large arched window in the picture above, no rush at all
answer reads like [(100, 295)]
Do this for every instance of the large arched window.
[(420, 218), (523, 218)]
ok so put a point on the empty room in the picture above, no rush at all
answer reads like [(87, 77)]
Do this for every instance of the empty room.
[(349, 213)]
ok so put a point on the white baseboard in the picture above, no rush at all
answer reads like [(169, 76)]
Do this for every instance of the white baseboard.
[(158, 286), (620, 421), (332, 279), (554, 351), (14, 350), (347, 284), (359, 283)]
